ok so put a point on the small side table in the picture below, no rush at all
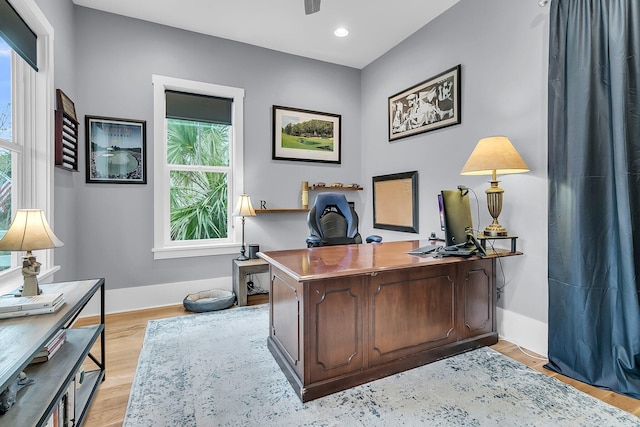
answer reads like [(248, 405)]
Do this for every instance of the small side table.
[(483, 240), (241, 269)]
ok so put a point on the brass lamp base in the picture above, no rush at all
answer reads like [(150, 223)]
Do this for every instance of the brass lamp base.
[(494, 203), (495, 229)]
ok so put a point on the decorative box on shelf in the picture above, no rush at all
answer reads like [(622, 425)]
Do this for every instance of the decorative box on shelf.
[(320, 186)]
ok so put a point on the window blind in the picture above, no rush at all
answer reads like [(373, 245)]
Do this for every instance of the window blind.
[(188, 106), (18, 35)]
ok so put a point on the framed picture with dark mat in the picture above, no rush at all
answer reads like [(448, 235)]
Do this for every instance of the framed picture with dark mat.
[(115, 150), (305, 135)]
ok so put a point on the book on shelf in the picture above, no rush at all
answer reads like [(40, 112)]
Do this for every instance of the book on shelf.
[(53, 343), (71, 404), (32, 311), (51, 348), (10, 303)]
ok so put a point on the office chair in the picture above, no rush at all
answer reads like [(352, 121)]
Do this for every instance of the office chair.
[(333, 222)]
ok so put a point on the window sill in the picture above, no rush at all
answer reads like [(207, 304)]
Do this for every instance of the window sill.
[(194, 251)]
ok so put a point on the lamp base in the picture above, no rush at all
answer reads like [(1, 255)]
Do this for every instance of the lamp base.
[(242, 258), (30, 290), (30, 271), (494, 203), (495, 230)]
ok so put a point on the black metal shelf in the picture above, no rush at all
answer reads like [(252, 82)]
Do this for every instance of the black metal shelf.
[(23, 337)]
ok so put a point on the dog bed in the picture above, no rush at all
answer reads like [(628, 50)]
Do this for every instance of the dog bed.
[(211, 300)]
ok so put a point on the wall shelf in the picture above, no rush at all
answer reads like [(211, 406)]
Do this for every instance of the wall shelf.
[(311, 187), (329, 188), (281, 210)]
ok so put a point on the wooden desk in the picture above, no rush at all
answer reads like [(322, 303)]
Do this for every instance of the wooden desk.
[(341, 316)]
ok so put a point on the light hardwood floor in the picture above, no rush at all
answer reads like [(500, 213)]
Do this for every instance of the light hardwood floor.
[(125, 334)]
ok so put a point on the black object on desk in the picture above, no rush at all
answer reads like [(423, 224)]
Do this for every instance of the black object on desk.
[(424, 250)]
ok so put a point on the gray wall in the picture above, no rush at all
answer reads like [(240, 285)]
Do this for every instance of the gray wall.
[(116, 57), (61, 15), (502, 46)]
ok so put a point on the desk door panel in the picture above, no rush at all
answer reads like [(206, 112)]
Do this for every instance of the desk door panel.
[(334, 309), (478, 295), (411, 311), (286, 318)]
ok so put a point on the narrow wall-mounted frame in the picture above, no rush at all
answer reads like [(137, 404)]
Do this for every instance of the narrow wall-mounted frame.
[(395, 202), (66, 133)]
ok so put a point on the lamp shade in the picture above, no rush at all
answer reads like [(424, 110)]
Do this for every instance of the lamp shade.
[(243, 207), (29, 231), (494, 155)]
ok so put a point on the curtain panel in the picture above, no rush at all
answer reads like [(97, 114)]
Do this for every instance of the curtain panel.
[(594, 192)]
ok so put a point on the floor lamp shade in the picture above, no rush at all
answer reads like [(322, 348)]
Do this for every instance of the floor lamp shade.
[(29, 231), (491, 156), (243, 209)]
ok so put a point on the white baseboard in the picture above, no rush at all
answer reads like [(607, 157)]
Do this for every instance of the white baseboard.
[(142, 297), (523, 331)]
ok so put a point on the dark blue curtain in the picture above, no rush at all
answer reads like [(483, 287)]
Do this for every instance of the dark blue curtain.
[(594, 192)]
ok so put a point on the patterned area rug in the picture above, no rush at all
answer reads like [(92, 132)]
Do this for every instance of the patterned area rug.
[(214, 369)]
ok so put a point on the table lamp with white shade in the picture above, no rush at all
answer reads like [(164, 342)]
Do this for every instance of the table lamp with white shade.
[(29, 231), (243, 209), (491, 156)]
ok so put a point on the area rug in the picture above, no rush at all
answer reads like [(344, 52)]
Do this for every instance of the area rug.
[(214, 369)]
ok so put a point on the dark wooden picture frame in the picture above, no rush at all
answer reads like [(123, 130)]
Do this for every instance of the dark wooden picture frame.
[(66, 104), (305, 135), (395, 202), (429, 105), (116, 150)]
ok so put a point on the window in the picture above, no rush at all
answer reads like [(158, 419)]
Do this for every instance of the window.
[(26, 127), (6, 148), (197, 167)]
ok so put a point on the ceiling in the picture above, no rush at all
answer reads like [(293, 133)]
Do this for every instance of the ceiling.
[(375, 26)]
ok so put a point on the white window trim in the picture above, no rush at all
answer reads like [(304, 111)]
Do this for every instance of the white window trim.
[(34, 126), (164, 248)]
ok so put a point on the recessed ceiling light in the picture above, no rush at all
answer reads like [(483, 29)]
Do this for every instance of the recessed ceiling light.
[(341, 32)]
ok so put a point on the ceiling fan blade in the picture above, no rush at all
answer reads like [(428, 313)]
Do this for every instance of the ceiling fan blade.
[(311, 6)]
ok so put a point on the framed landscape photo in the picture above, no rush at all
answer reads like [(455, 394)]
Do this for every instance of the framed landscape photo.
[(304, 135), (116, 150), (430, 105)]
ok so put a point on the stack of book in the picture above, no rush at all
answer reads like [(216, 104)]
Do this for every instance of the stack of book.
[(64, 413), (13, 306), (51, 347)]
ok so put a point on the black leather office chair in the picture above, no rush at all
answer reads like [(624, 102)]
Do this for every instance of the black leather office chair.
[(333, 222)]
